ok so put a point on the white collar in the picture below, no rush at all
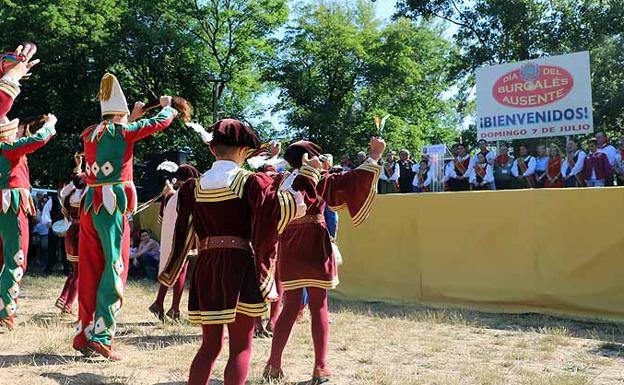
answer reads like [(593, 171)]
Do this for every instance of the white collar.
[(287, 184), (220, 175)]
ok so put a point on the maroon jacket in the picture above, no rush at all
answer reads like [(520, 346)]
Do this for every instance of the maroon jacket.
[(599, 163)]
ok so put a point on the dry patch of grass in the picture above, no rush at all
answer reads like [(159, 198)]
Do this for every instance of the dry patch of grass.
[(371, 344)]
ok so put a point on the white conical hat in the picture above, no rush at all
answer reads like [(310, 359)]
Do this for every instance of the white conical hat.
[(112, 99)]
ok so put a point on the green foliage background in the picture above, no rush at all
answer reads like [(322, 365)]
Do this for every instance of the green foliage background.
[(332, 63)]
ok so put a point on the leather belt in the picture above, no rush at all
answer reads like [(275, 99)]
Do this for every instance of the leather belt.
[(224, 242), (310, 218)]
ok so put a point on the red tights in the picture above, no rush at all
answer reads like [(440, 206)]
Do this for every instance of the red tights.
[(317, 302), (240, 337), (178, 289)]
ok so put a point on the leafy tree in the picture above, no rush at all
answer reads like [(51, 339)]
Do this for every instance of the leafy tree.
[(154, 48), (338, 67)]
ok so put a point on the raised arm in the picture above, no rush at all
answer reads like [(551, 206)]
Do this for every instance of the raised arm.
[(143, 128), (9, 84), (30, 144)]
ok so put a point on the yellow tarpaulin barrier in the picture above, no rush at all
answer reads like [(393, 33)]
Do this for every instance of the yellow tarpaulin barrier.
[(550, 251)]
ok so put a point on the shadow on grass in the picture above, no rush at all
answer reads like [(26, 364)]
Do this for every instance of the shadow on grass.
[(36, 359), (610, 350), (526, 322), (138, 324), (159, 342), (85, 379)]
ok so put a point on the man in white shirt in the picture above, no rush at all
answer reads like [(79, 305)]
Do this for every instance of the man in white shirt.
[(523, 169), (459, 178), (490, 156), (609, 150), (481, 174), (541, 165), (572, 166), (449, 169), (42, 228)]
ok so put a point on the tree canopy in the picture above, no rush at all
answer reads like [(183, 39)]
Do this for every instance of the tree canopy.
[(333, 65)]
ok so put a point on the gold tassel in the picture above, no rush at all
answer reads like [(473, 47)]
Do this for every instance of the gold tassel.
[(377, 122), (106, 87)]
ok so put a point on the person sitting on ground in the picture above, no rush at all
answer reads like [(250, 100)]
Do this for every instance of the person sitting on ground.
[(149, 254), (597, 169)]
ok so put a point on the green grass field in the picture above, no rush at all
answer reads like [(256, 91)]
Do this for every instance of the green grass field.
[(371, 344)]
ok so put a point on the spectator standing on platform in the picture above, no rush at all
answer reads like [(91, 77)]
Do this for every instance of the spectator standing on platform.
[(619, 164), (422, 180), (523, 169), (481, 174), (389, 179), (42, 228), (461, 172), (449, 168), (149, 252), (572, 166), (345, 163), (361, 157), (610, 151), (553, 169), (406, 175), (541, 163), (597, 168), (489, 155), (502, 169)]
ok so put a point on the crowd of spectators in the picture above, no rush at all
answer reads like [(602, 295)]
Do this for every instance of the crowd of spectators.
[(596, 164)]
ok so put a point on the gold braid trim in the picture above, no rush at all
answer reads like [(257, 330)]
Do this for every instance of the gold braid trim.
[(288, 209), (9, 88), (310, 172), (301, 283), (364, 211)]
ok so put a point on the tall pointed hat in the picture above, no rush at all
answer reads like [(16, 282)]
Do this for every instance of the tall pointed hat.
[(112, 99)]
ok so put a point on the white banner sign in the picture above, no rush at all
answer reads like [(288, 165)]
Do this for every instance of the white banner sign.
[(535, 98), (434, 149)]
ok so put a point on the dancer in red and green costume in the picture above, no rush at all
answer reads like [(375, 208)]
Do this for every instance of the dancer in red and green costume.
[(104, 232), (15, 201)]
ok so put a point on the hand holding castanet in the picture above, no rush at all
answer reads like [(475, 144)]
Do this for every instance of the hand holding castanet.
[(377, 148)]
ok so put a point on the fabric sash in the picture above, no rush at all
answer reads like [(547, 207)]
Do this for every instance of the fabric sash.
[(522, 166)]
